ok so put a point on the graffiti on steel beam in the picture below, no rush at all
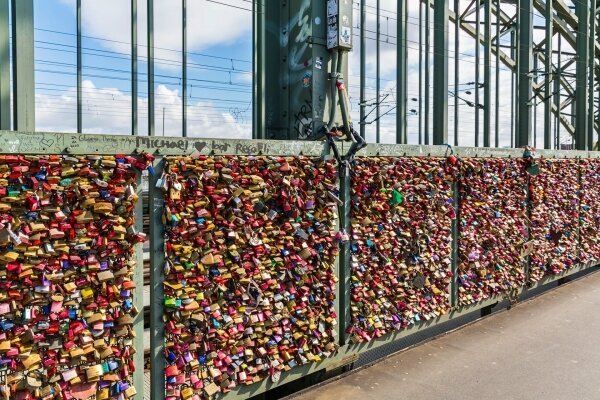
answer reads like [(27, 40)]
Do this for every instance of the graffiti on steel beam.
[(303, 120)]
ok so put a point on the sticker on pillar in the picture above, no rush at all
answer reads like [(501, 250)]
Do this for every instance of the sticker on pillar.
[(307, 79), (319, 63), (345, 35)]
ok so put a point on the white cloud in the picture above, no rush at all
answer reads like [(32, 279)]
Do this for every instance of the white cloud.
[(209, 24), (466, 74), (107, 110)]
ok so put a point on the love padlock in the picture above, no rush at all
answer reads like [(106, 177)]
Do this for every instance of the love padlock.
[(554, 217), (249, 276), (493, 228), (590, 210), (67, 276), (402, 211)]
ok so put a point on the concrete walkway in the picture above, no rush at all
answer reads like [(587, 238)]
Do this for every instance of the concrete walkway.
[(547, 348)]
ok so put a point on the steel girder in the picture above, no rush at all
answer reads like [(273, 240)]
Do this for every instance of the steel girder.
[(564, 22)]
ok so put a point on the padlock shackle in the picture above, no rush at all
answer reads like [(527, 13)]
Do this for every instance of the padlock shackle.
[(448, 147)]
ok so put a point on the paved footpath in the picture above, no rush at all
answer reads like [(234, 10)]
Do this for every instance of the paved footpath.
[(547, 349)]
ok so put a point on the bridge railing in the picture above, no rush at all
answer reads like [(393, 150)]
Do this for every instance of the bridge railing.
[(270, 260)]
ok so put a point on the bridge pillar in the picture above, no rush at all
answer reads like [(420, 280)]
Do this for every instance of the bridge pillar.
[(298, 64)]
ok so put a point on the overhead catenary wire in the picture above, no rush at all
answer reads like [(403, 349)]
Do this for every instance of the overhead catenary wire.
[(170, 80)]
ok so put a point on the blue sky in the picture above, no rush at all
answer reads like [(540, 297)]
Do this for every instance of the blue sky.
[(219, 71), (219, 66)]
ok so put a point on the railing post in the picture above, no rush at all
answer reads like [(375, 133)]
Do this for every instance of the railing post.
[(345, 258), (157, 262), (4, 66), (138, 298), (455, 243), (529, 206), (579, 213)]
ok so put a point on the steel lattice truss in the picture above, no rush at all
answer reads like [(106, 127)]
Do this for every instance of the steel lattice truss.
[(554, 81)]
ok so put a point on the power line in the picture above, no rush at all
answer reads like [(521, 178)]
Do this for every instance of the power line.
[(142, 45)]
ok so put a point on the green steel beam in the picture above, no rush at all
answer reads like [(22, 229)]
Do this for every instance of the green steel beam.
[(497, 106), (184, 79), (5, 122), (440, 72), (378, 73), (259, 63), (420, 98), (534, 100), (582, 79), (563, 23), (487, 73), (363, 67), (150, 38), (427, 87), (549, 77), (513, 93), (401, 71), (456, 65), (79, 72), (524, 81), (134, 68), (557, 94), (23, 65), (298, 94), (592, 75), (477, 66)]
